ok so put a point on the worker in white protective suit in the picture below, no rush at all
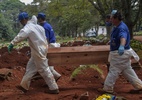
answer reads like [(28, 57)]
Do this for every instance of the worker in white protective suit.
[(120, 56), (35, 34), (50, 37)]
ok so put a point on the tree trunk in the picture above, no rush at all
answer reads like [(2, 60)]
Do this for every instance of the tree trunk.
[(130, 26), (108, 29)]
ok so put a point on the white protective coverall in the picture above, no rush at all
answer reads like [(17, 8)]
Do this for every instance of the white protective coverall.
[(54, 72), (35, 34), (122, 64)]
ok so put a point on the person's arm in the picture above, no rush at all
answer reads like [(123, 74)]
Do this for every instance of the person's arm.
[(122, 41), (121, 47), (52, 38), (21, 36)]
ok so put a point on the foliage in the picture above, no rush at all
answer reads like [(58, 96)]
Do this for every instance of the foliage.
[(83, 67), (130, 9), (68, 18), (18, 46), (4, 28), (8, 18), (63, 39), (76, 18), (73, 17), (136, 45), (138, 33)]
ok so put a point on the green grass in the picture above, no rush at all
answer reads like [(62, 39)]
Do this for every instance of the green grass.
[(138, 33), (80, 69), (19, 45), (63, 39)]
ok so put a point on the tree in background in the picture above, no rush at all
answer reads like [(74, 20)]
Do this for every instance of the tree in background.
[(8, 18), (68, 17), (131, 9)]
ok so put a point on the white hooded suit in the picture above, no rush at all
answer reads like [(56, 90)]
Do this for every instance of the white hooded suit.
[(35, 34)]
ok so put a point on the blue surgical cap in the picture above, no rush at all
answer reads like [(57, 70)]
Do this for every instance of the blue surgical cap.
[(22, 16), (41, 15)]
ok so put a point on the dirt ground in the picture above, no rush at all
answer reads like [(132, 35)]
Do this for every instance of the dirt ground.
[(87, 82)]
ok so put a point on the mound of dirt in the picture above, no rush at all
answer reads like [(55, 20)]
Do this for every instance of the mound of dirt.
[(13, 59)]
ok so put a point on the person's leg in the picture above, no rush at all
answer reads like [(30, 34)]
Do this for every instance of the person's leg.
[(115, 69), (44, 71), (111, 78), (132, 77), (30, 72), (55, 73)]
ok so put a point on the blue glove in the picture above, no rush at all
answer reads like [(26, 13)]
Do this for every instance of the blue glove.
[(10, 47), (121, 50)]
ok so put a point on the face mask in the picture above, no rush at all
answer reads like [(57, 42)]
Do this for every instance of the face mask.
[(23, 24), (108, 23)]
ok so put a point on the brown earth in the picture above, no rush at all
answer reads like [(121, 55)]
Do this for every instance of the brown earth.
[(88, 81)]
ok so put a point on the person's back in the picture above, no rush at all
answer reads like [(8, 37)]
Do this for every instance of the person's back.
[(108, 26), (49, 32)]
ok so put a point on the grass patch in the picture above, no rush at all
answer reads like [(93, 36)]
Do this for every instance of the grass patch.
[(79, 70)]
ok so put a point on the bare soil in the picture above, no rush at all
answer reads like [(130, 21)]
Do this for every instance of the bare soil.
[(88, 81)]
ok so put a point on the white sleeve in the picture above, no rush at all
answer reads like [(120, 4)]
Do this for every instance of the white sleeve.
[(53, 45), (20, 37)]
